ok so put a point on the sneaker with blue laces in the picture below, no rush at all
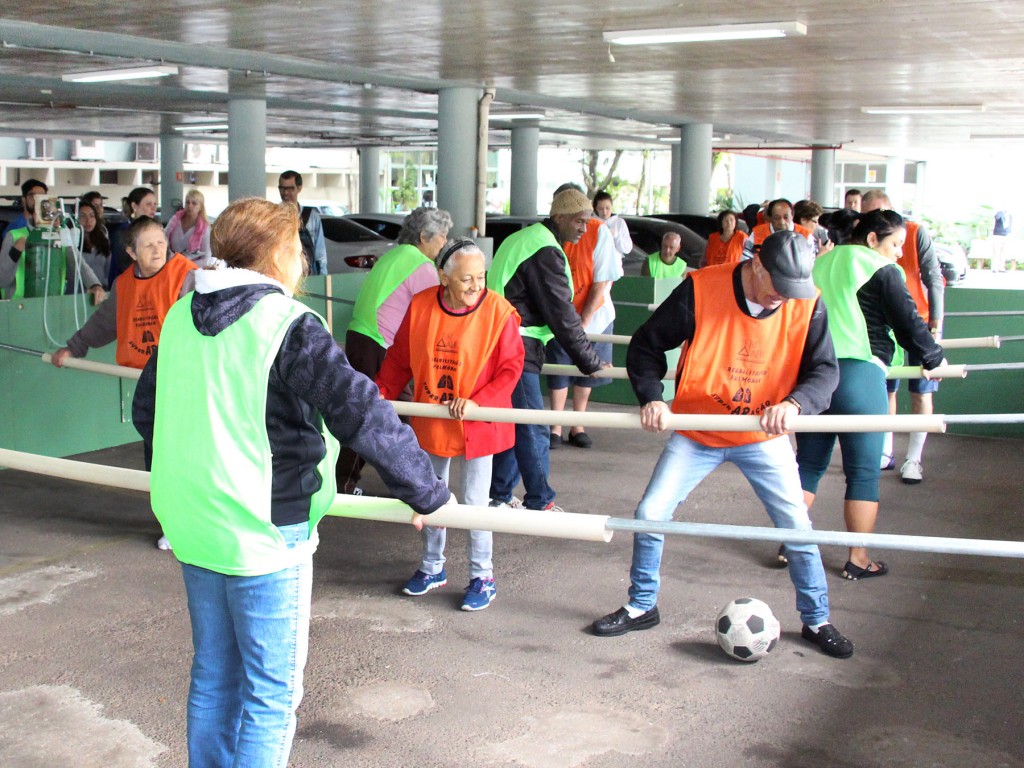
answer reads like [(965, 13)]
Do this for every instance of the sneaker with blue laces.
[(421, 582), (479, 594)]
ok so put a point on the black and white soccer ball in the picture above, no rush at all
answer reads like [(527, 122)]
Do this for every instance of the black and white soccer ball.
[(747, 629)]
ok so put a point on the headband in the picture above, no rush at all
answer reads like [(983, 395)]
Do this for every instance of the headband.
[(451, 250)]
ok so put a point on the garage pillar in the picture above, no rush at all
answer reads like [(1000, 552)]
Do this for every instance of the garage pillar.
[(247, 138), (369, 180), (695, 168), (525, 147), (675, 190), (172, 163), (456, 155), (823, 176), (894, 173)]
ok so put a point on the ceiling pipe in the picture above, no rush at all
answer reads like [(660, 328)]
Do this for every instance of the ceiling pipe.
[(482, 121)]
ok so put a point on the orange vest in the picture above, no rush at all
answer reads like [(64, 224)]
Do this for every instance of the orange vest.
[(736, 363), (581, 265), (718, 252), (912, 268), (761, 231), (142, 305), (448, 356)]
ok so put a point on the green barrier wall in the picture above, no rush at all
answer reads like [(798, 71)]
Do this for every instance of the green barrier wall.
[(63, 412)]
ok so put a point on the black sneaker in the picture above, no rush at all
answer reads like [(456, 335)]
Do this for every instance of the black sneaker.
[(619, 623), (829, 639)]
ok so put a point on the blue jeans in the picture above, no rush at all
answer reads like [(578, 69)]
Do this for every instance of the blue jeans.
[(529, 456), (770, 468), (250, 635), (476, 481)]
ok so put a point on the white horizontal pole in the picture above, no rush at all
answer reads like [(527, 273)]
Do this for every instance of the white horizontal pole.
[(896, 372), (972, 342), (528, 522), (694, 422), (107, 369), (993, 313)]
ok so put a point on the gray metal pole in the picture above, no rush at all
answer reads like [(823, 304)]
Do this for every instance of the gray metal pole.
[(695, 162), (369, 180), (172, 169), (823, 176), (525, 147), (456, 155)]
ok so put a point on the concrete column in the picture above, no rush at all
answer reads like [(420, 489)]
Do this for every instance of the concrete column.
[(823, 176), (456, 155), (894, 181), (695, 165), (172, 163), (772, 180), (675, 190), (247, 137), (525, 147), (369, 180)]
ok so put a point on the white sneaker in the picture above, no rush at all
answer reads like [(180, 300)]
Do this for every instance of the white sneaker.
[(888, 461), (911, 472), (512, 503), (163, 544)]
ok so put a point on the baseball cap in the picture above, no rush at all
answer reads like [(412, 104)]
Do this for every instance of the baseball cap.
[(789, 260)]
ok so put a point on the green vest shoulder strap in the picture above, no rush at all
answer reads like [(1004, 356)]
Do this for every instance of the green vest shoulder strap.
[(390, 271), (212, 465), (517, 248)]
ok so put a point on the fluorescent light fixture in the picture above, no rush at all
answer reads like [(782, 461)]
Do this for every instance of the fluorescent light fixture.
[(936, 109), (109, 75), (757, 31), (202, 127), (997, 137), (523, 115), (671, 139)]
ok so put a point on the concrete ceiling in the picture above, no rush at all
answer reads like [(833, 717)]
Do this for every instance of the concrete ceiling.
[(350, 73)]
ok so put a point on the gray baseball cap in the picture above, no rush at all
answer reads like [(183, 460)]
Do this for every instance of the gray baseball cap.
[(789, 260)]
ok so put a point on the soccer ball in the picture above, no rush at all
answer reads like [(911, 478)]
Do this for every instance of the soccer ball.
[(747, 629)]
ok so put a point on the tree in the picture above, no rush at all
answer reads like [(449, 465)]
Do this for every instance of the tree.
[(592, 177)]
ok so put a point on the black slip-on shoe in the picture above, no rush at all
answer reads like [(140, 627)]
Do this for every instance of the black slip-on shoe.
[(829, 639), (619, 623)]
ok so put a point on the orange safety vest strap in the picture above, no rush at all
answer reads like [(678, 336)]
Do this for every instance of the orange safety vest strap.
[(142, 305), (736, 363), (912, 269), (447, 354), (581, 264)]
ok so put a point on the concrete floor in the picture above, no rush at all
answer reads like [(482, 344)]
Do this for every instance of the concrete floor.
[(95, 645)]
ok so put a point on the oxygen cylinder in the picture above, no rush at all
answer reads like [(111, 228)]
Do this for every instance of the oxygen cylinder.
[(45, 264)]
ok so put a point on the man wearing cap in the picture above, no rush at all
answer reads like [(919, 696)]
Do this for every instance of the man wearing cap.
[(531, 271), (757, 343)]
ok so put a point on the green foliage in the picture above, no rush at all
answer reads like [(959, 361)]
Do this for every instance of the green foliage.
[(405, 197), (963, 231)]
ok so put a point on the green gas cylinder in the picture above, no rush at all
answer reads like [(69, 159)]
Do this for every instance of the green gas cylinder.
[(45, 264)]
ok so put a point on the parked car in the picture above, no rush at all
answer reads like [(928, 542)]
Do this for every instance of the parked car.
[(350, 246), (325, 207), (952, 261), (387, 225), (647, 233), (702, 225), (499, 227)]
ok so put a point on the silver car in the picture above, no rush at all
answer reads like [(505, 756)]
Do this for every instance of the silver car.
[(351, 247)]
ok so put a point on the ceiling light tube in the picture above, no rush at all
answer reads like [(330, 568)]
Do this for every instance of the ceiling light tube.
[(937, 109), (110, 75), (197, 127), (535, 115), (757, 31)]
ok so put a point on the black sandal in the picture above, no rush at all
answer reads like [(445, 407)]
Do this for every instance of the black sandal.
[(855, 572)]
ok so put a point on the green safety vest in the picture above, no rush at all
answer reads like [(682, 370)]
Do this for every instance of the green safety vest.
[(839, 274), (35, 284), (390, 271), (660, 269), (211, 479), (517, 248)]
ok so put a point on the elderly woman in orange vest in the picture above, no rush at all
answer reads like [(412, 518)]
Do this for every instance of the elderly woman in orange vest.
[(459, 344), (725, 245), (139, 300)]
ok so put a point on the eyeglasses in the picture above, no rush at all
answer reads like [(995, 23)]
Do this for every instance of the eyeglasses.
[(285, 189)]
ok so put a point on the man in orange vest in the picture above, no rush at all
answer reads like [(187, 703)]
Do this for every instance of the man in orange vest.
[(595, 265), (780, 218), (757, 343), (924, 279)]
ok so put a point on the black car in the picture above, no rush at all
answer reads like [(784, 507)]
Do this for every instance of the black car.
[(702, 225), (647, 233)]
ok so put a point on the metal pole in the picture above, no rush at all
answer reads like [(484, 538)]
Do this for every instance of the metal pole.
[(996, 313), (896, 372), (972, 342)]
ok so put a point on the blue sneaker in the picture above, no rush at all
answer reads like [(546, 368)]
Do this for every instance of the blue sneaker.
[(421, 582), (479, 594)]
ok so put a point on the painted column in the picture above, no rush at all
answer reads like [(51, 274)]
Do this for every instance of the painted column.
[(894, 171), (695, 167), (675, 191), (823, 176), (456, 155), (525, 147), (172, 163), (369, 180), (247, 139)]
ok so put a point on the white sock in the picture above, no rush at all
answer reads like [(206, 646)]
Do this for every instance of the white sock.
[(915, 446), (887, 445), (814, 628), (633, 612)]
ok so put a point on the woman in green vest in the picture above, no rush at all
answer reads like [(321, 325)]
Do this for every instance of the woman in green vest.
[(242, 403), (868, 302)]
